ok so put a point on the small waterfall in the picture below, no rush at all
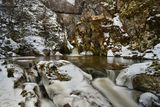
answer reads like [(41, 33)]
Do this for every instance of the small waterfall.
[(111, 74), (75, 52), (118, 96)]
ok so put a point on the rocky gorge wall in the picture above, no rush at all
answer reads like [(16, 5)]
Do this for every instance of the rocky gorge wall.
[(29, 28), (117, 25), (103, 27)]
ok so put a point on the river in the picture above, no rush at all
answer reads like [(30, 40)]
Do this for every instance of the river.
[(95, 65)]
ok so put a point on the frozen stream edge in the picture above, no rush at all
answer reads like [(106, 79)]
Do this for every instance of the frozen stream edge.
[(79, 91)]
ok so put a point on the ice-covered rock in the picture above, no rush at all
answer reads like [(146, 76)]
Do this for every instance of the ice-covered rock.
[(149, 81), (125, 77), (68, 84), (31, 94), (148, 100), (9, 97), (32, 29)]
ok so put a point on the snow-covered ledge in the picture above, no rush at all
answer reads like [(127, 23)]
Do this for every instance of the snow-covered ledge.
[(71, 1), (126, 75)]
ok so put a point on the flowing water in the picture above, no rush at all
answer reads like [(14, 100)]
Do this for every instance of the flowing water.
[(96, 66), (118, 96)]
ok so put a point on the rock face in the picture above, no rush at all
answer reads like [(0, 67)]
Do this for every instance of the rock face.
[(98, 26), (149, 81), (31, 28), (143, 76), (113, 24), (141, 21)]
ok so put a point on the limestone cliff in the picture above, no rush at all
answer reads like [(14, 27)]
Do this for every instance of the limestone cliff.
[(29, 28), (119, 26), (127, 28)]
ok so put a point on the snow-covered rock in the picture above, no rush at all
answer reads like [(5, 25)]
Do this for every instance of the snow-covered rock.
[(148, 100), (32, 29), (75, 91), (9, 97), (125, 77), (31, 95), (153, 53), (71, 1)]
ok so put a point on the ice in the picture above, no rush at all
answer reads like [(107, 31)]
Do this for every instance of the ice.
[(147, 99), (71, 1), (126, 75), (77, 91)]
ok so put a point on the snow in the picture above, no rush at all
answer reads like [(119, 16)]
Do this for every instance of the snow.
[(158, 15), (154, 52), (151, 17), (106, 35), (105, 3), (110, 53), (46, 103), (126, 75), (126, 51), (37, 42), (18, 72), (71, 1), (77, 91), (116, 21), (149, 56), (147, 99), (12, 44), (58, 54), (86, 53), (35, 11), (31, 97), (9, 97)]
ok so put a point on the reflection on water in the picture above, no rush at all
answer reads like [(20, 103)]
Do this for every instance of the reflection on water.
[(94, 63)]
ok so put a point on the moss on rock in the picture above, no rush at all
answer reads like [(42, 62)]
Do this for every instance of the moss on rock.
[(147, 83)]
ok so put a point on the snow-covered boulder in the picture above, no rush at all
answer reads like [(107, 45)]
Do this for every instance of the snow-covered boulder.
[(149, 100), (67, 84), (142, 76), (126, 76), (149, 81)]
